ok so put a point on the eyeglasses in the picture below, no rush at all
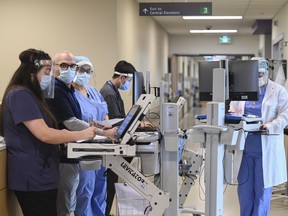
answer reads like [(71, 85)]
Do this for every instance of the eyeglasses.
[(65, 66), (87, 70)]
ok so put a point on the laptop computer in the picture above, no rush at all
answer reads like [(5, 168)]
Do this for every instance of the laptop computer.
[(123, 128)]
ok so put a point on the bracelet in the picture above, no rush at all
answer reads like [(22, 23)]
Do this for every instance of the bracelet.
[(99, 131)]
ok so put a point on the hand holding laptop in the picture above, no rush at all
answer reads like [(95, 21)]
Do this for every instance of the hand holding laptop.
[(110, 133)]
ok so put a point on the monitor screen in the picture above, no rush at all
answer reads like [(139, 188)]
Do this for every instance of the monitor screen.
[(243, 80), (138, 86), (206, 79), (130, 117)]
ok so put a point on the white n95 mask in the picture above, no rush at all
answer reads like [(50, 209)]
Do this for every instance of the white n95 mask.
[(261, 82)]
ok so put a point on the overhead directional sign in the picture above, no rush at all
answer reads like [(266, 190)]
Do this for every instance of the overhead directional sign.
[(175, 9)]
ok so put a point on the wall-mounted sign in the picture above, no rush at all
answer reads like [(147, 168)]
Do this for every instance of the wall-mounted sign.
[(225, 39), (175, 9)]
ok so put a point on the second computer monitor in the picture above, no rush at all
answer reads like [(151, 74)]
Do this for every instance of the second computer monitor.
[(138, 86), (206, 79), (243, 79)]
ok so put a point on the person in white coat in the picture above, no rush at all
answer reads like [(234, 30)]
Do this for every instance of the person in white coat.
[(263, 162)]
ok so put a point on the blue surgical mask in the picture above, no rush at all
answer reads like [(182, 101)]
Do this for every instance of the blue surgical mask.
[(45, 81), (125, 86), (67, 76), (82, 79)]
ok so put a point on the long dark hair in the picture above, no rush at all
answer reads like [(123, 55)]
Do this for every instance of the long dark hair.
[(25, 76)]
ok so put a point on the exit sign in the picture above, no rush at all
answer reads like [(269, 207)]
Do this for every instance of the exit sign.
[(175, 9)]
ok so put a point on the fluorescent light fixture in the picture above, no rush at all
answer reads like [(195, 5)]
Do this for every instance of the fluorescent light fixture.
[(214, 31), (211, 17)]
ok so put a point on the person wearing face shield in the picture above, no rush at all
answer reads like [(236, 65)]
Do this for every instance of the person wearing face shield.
[(31, 136), (263, 163), (121, 79), (67, 111), (91, 191)]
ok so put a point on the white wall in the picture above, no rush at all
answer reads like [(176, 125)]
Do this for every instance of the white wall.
[(82, 27), (209, 44), (279, 27), (104, 30), (141, 41)]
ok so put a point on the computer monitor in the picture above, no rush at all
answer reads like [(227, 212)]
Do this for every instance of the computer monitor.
[(130, 117), (206, 79), (138, 86), (147, 82), (243, 80)]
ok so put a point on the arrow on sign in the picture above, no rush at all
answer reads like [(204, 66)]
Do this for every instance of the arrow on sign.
[(145, 10)]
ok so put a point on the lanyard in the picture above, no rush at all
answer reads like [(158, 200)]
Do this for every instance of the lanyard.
[(114, 88)]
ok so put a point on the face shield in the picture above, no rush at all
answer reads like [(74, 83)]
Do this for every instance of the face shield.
[(49, 79), (83, 75), (128, 76), (126, 86)]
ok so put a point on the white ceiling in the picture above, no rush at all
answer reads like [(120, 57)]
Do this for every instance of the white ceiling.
[(251, 10)]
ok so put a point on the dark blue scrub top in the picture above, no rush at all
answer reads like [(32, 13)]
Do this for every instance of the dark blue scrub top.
[(32, 164), (64, 105)]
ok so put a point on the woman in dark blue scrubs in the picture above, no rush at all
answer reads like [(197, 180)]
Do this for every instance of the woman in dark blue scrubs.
[(28, 128)]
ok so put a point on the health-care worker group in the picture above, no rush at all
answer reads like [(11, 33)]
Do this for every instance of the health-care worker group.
[(47, 104)]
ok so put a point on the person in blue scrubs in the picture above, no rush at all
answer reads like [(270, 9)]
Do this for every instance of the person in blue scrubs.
[(91, 191), (263, 162), (28, 128)]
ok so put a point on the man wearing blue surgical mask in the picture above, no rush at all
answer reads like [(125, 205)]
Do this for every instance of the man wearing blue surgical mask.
[(67, 112), (66, 109), (121, 79)]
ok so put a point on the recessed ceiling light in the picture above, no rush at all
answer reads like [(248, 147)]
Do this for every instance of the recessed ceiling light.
[(214, 31), (211, 17)]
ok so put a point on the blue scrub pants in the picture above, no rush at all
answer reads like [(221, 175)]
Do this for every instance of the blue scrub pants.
[(254, 199), (91, 193)]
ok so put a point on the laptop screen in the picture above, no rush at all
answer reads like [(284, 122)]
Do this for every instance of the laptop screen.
[(130, 117)]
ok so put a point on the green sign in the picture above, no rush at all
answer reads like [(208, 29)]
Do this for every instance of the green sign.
[(205, 10)]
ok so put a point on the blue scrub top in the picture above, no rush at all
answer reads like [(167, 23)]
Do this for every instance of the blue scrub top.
[(253, 142), (32, 165), (93, 106)]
